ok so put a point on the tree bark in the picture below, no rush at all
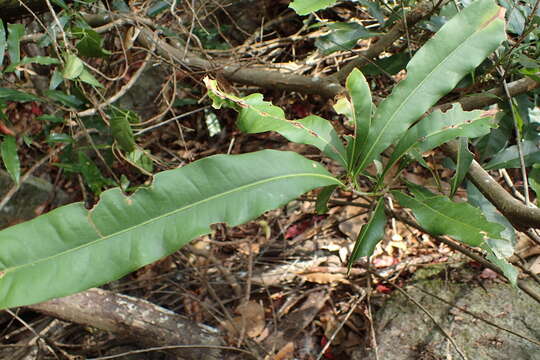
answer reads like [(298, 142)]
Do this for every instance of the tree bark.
[(140, 320)]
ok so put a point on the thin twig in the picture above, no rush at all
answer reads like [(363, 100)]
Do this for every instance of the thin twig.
[(518, 137), (138, 133), (340, 326), (171, 347), (30, 171), (123, 90)]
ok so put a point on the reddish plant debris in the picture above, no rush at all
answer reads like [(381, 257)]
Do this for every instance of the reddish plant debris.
[(301, 226), (5, 130), (383, 289), (328, 353), (36, 109)]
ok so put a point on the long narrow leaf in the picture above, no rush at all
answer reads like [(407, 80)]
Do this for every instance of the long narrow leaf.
[(15, 32), (509, 157), (2, 41), (441, 216), (257, 115), (440, 127), (460, 46), (504, 246), (370, 235), (304, 7), (71, 249), (463, 162), (8, 150), (362, 104)]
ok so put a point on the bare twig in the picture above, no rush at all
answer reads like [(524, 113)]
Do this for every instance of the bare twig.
[(175, 347), (518, 136)]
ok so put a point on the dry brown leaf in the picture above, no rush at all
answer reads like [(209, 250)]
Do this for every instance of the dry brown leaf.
[(324, 278), (535, 266), (251, 319), (286, 353)]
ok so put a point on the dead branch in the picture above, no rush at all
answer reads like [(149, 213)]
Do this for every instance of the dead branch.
[(140, 320)]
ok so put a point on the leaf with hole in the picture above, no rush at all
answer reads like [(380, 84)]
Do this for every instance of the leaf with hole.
[(67, 249), (256, 116)]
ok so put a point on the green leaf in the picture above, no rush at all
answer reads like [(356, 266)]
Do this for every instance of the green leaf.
[(158, 7), (15, 32), (441, 216), (534, 180), (509, 270), (360, 94), (8, 148), (257, 115), (464, 160), (459, 47), (503, 247), (3, 42), (90, 43), (88, 78), (61, 3), (374, 10), (51, 118), (121, 129), (56, 79), (321, 206), (73, 68), (91, 174), (440, 127), (370, 234), (304, 7), (343, 37), (71, 249), (14, 95), (141, 159), (42, 60), (59, 138), (63, 98), (509, 157), (390, 65), (518, 118)]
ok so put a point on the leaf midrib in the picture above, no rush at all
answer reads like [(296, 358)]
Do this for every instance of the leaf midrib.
[(383, 130), (171, 213), (428, 206)]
